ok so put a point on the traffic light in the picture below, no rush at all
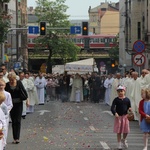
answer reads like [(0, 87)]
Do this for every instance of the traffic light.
[(42, 28), (85, 28), (112, 63)]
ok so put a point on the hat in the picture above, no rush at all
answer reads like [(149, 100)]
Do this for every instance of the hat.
[(120, 87)]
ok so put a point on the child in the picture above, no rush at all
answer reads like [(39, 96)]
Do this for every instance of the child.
[(7, 103), (120, 107), (144, 110), (2, 122)]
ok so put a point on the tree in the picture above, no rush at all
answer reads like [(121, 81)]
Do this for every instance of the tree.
[(114, 51), (56, 41), (4, 25)]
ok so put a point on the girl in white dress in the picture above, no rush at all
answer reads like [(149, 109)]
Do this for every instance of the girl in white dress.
[(2, 122)]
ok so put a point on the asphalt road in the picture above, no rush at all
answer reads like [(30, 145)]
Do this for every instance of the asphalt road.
[(72, 126)]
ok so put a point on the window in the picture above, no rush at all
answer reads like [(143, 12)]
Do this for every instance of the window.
[(73, 40), (93, 30), (78, 40), (33, 40), (91, 40), (102, 40), (139, 30), (106, 40), (29, 40), (95, 40)]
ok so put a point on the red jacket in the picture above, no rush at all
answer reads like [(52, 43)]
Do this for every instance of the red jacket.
[(141, 109)]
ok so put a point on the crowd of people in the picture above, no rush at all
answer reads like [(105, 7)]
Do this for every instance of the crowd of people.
[(21, 91)]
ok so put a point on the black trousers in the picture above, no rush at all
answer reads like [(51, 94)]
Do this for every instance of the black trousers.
[(95, 95), (16, 114)]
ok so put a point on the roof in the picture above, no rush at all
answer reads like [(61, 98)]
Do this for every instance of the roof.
[(89, 61), (85, 65), (95, 9)]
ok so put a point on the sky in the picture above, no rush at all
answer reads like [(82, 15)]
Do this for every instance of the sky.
[(78, 9)]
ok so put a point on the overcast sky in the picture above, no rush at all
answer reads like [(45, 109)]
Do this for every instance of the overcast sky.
[(78, 9)]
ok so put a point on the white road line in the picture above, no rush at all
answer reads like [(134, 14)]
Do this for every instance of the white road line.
[(81, 112), (108, 112), (104, 145), (78, 106), (92, 128), (85, 118)]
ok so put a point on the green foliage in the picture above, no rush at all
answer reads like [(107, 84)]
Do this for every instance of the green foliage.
[(4, 25), (114, 51), (58, 25)]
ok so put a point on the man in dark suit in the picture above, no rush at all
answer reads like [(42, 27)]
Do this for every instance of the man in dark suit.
[(95, 84)]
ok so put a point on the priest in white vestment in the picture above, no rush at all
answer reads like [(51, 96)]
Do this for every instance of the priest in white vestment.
[(77, 89), (146, 80), (32, 94), (40, 83), (135, 95), (108, 85), (117, 81)]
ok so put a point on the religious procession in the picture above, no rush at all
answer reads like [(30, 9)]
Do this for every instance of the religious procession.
[(38, 89)]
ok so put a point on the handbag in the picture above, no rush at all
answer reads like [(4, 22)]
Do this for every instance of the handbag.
[(130, 116), (23, 93)]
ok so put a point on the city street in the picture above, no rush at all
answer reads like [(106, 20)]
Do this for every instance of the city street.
[(74, 126)]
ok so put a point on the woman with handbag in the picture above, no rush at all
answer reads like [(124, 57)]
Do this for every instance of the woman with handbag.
[(144, 110), (18, 94)]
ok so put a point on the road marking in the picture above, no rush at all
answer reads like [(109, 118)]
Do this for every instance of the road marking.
[(92, 128), (78, 106), (104, 145), (85, 118), (68, 109), (108, 112), (43, 111), (81, 112)]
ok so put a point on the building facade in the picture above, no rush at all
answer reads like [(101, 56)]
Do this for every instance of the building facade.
[(134, 25), (96, 16), (15, 46)]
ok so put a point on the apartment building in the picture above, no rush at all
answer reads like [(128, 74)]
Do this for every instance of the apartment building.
[(134, 25), (105, 10)]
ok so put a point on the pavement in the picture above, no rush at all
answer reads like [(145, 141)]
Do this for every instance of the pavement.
[(72, 126)]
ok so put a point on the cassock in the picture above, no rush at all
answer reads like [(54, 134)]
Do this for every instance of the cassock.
[(135, 97), (40, 84), (108, 85), (9, 104), (146, 81), (77, 90), (114, 93), (32, 95), (3, 126)]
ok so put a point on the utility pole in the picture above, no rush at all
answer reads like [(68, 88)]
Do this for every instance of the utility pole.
[(17, 31), (3, 51)]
